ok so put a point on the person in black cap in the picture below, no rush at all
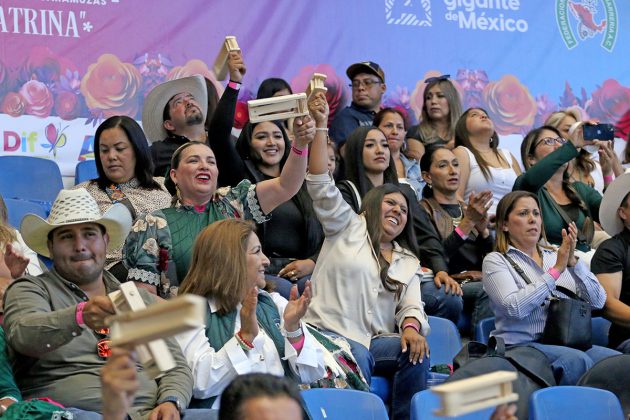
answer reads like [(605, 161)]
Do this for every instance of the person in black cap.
[(368, 87)]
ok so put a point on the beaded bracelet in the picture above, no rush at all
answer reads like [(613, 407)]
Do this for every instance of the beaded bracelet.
[(246, 345)]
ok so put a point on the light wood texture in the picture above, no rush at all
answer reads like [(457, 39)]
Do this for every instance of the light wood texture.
[(277, 108), (316, 84), (220, 67)]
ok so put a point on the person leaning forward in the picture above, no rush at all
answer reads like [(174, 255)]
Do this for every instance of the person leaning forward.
[(55, 321)]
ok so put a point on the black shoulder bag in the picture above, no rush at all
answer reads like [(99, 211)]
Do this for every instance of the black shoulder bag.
[(568, 319)]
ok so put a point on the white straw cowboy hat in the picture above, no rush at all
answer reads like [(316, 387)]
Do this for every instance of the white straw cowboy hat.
[(613, 196), (153, 110), (72, 207)]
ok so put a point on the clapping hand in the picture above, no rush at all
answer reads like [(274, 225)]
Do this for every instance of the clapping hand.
[(296, 308), (566, 252), (16, 263), (249, 322)]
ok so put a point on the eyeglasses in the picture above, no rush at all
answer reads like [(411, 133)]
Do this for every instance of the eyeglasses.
[(437, 78), (550, 141), (367, 83), (104, 345)]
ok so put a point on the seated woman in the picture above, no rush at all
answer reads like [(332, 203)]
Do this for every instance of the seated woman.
[(483, 165), (366, 284), (247, 329), (441, 109), (392, 122), (585, 169), (545, 154), (161, 242), (124, 167), (463, 229), (520, 301), (368, 165)]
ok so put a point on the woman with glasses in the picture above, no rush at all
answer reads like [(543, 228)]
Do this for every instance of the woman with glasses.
[(483, 165), (546, 156), (441, 109)]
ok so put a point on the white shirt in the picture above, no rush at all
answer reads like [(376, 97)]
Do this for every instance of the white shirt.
[(213, 370)]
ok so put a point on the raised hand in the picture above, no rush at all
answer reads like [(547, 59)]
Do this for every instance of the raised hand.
[(96, 311), (296, 308), (478, 205), (249, 322), (304, 131), (567, 248), (236, 66), (573, 233), (16, 263), (318, 107)]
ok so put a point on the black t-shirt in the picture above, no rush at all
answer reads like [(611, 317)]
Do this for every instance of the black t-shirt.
[(612, 257)]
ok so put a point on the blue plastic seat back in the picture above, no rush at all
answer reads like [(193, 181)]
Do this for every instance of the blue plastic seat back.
[(444, 341), (29, 178), (483, 330), (575, 403), (600, 328), (19, 208), (424, 404), (343, 404), (85, 171)]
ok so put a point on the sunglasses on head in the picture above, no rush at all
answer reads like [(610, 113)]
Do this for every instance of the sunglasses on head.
[(437, 78)]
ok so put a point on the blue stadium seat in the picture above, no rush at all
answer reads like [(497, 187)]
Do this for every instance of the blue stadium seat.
[(444, 341), (19, 208), (30, 178), (424, 403), (382, 387), (85, 171), (575, 403), (343, 404), (600, 328), (483, 330)]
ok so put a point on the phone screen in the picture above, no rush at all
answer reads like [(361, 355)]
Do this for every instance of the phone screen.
[(599, 132)]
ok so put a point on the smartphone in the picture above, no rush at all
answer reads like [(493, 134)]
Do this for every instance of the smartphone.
[(599, 132)]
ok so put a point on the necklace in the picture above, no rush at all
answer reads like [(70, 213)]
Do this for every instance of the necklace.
[(457, 220)]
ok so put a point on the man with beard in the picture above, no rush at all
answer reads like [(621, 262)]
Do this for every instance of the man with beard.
[(175, 113), (56, 322)]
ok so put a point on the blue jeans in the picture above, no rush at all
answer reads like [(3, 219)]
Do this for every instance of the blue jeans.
[(387, 359), (283, 286), (569, 364), (438, 303)]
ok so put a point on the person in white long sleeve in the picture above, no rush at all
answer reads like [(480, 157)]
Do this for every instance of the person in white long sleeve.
[(247, 329), (520, 299)]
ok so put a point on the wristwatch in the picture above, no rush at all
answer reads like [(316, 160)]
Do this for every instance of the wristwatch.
[(175, 401)]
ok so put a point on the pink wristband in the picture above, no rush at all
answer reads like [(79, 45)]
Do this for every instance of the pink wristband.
[(608, 179), (78, 315), (301, 153), (410, 325), (461, 233), (299, 344), (554, 273), (234, 85)]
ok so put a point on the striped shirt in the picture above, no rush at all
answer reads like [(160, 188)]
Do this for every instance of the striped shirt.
[(520, 309)]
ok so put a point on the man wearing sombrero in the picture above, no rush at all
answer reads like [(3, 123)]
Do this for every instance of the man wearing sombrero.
[(175, 113), (611, 262), (55, 322)]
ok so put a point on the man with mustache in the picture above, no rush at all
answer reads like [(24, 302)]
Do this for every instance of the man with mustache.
[(175, 113), (55, 323)]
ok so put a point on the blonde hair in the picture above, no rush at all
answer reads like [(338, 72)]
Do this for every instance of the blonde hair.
[(556, 118), (218, 268), (583, 162), (7, 233)]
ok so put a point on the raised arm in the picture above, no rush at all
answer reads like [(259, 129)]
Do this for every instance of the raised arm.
[(276, 191), (537, 175)]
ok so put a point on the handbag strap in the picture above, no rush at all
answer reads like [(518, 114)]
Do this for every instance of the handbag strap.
[(116, 195), (518, 269), (581, 237)]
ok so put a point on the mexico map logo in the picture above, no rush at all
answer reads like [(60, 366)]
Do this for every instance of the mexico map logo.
[(583, 17)]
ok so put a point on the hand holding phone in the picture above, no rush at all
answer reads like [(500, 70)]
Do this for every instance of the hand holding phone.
[(599, 132)]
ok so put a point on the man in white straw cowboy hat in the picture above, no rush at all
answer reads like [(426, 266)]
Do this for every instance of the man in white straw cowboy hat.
[(55, 322), (611, 262)]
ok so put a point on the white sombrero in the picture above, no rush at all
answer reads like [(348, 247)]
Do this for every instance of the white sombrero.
[(72, 207), (153, 110), (613, 196)]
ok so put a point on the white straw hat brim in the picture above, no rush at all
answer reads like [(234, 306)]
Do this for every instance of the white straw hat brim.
[(116, 221), (153, 110), (614, 195)]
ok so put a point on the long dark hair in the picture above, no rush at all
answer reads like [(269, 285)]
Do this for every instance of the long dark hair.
[(244, 143), (144, 164), (270, 86), (462, 138), (355, 169), (528, 147), (371, 209)]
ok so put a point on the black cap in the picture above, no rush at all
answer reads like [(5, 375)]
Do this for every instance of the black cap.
[(366, 67)]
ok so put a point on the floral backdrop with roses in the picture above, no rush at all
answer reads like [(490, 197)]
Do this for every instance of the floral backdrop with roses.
[(46, 84)]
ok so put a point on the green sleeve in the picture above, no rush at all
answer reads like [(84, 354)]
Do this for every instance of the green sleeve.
[(591, 198), (536, 176), (8, 387)]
